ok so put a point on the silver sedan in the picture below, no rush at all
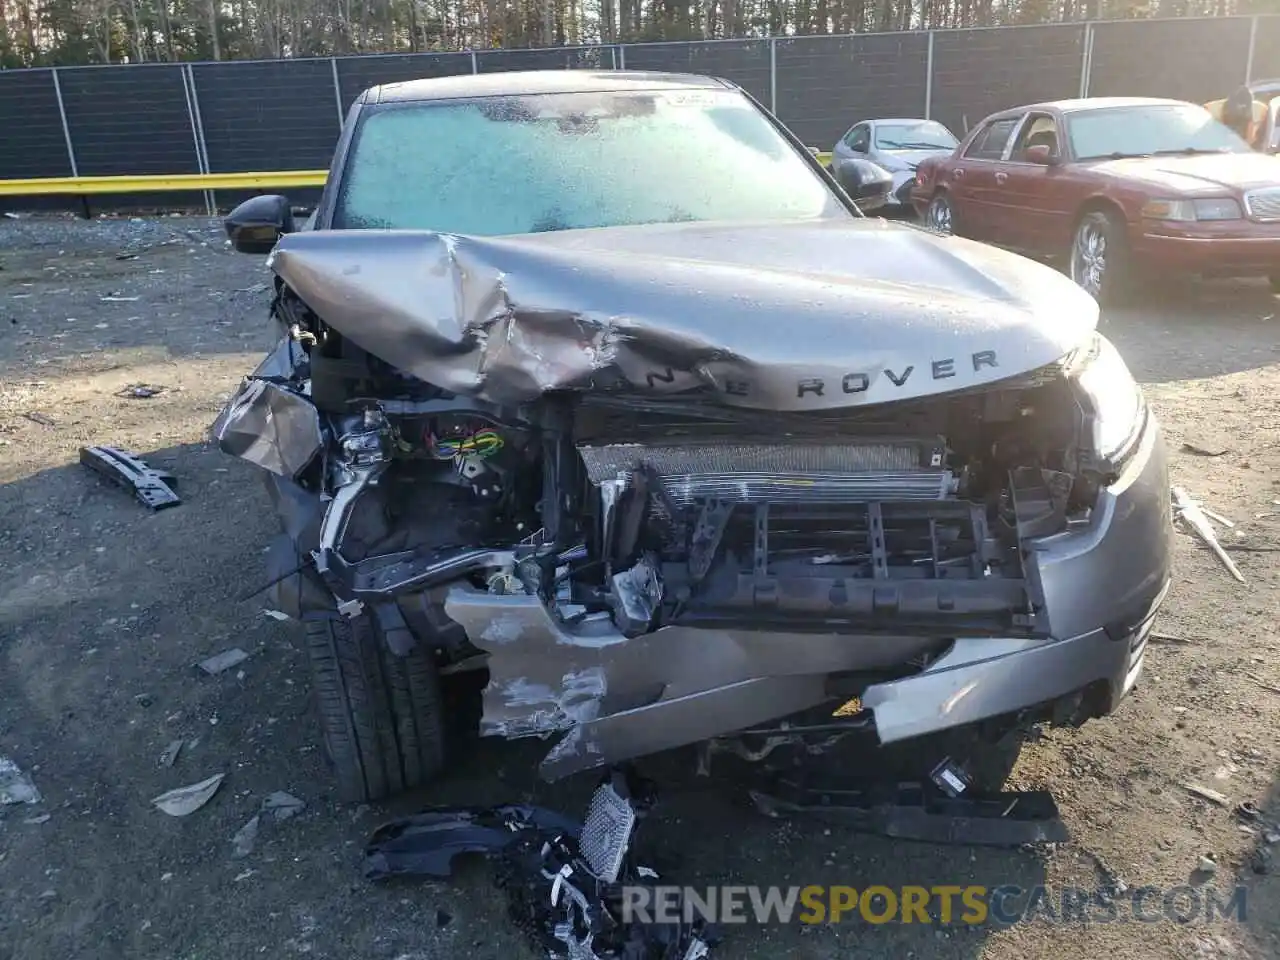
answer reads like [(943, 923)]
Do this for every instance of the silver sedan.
[(898, 145)]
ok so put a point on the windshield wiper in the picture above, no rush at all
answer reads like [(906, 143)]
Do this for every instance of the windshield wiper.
[(1188, 152), (1117, 155), (915, 145)]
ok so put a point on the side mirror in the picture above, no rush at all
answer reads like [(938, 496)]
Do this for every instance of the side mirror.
[(256, 225), (1039, 154), (868, 184), (814, 150)]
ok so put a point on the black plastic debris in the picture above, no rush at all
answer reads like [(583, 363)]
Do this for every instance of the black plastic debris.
[(153, 488), (140, 391), (912, 811), (564, 880)]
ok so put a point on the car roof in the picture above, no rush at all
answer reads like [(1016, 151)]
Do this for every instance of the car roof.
[(532, 82), (1086, 104), (899, 120)]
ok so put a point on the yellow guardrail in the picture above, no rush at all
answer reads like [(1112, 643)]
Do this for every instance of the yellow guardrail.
[(83, 186)]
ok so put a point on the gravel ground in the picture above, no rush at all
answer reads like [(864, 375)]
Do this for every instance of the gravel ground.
[(104, 610)]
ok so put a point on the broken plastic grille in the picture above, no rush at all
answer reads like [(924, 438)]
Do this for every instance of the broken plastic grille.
[(1263, 205), (607, 833)]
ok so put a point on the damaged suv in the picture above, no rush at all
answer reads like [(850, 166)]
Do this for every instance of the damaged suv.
[(598, 398)]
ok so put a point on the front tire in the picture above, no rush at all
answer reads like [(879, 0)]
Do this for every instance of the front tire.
[(1098, 259), (381, 715), (939, 216)]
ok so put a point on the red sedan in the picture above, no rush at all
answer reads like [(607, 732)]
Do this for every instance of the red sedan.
[(1117, 186)]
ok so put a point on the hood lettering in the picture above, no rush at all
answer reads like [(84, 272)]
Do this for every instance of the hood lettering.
[(858, 382)]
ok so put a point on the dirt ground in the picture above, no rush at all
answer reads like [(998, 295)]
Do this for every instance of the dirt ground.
[(105, 608)]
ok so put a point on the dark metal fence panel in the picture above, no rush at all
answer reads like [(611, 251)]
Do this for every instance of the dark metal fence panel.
[(562, 58), (827, 84), (358, 74), (270, 115), (977, 72), (129, 120), (744, 62), (1266, 50), (32, 145), (1196, 60)]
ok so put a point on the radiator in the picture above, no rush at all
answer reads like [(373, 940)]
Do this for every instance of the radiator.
[(808, 471)]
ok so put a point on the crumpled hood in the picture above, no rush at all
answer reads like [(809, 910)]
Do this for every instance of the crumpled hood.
[(781, 316), (1203, 174)]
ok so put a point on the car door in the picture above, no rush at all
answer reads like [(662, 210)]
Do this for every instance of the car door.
[(852, 146), (970, 177), (1031, 205)]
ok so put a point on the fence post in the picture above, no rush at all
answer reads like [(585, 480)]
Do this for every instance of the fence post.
[(622, 56), (1086, 59), (337, 90), (66, 130), (1253, 40), (928, 78), (475, 63), (197, 133), (773, 76)]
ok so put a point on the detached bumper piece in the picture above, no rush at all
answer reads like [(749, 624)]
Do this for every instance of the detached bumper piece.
[(153, 488), (564, 880), (917, 812)]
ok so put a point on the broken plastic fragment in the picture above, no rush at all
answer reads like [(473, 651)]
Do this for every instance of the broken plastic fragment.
[(223, 661), (187, 800), (16, 786), (243, 842), (170, 753), (281, 806)]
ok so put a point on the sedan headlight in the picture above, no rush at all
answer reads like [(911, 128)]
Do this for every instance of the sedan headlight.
[(1190, 211), (1118, 407)]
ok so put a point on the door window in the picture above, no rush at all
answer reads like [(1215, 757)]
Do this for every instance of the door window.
[(1039, 130), (859, 139), (990, 142)]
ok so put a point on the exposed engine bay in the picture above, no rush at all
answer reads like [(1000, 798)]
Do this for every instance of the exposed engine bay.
[(654, 512)]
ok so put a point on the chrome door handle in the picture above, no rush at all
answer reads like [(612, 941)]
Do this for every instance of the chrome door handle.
[(1001, 177)]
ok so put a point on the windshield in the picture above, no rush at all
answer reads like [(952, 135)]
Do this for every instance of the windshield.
[(914, 135), (1149, 130), (511, 165)]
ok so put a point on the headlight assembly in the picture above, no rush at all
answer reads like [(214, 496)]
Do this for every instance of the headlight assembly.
[(1116, 405), (1192, 211)]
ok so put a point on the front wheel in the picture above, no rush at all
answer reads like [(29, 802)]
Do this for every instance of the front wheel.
[(1098, 259), (939, 216), (381, 716)]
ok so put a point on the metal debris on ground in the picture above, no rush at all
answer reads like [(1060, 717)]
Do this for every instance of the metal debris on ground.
[(908, 811), (184, 801), (223, 661), (153, 488), (119, 299), (39, 418), (1198, 519), (1213, 796), (1204, 451), (563, 879), (16, 786), (43, 818), (140, 391), (1157, 637), (169, 755)]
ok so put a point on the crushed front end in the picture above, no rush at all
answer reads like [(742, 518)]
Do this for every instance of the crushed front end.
[(632, 572)]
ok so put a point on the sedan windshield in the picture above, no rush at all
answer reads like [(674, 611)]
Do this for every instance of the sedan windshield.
[(914, 135), (509, 165), (1146, 131)]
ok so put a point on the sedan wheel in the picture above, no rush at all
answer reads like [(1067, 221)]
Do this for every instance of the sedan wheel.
[(1089, 257), (938, 217), (1097, 259)]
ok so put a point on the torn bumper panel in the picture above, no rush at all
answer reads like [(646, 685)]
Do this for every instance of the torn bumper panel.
[(611, 697)]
